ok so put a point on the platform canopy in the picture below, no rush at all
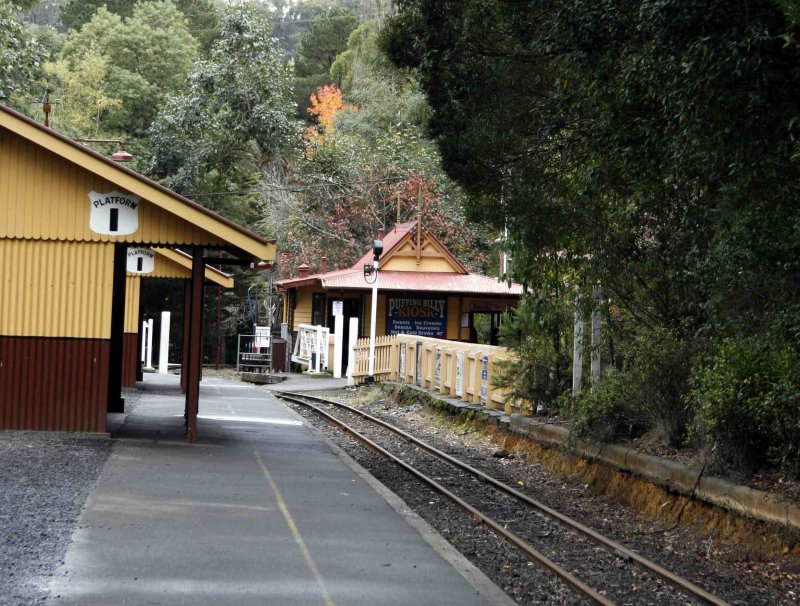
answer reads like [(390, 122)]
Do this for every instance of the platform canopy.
[(68, 217)]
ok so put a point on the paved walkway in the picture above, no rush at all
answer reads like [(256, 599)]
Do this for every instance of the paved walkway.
[(259, 511)]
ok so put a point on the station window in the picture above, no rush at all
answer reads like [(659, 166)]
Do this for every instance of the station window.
[(318, 309)]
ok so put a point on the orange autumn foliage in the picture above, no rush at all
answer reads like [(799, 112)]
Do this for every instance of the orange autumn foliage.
[(326, 102)]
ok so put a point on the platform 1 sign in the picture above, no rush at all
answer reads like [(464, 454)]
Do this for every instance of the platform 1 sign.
[(421, 316), (140, 260), (113, 213)]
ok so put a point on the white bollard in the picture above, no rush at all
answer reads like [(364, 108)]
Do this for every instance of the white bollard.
[(163, 345), (149, 357), (351, 350), (338, 340), (144, 341)]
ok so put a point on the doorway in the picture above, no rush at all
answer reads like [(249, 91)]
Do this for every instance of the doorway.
[(351, 308)]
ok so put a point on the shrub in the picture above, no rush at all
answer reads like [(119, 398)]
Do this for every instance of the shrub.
[(537, 332), (648, 394), (748, 398)]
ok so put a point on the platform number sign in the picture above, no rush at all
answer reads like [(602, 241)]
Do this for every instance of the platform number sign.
[(113, 213), (140, 261)]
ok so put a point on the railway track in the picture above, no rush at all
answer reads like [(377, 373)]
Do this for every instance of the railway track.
[(497, 506)]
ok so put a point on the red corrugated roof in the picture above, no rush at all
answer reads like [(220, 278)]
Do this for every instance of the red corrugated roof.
[(353, 277), (420, 282)]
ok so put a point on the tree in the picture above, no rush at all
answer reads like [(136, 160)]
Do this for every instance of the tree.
[(21, 57), (145, 56), (369, 161), (233, 123), (318, 50)]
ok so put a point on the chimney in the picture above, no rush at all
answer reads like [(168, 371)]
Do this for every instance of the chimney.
[(323, 265), (381, 234), (302, 270)]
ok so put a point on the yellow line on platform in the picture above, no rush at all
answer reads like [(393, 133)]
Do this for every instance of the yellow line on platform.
[(295, 532)]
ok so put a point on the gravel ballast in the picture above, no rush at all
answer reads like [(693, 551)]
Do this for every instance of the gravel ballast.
[(678, 550), (45, 479)]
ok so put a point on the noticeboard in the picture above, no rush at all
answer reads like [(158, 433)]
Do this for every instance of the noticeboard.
[(421, 316)]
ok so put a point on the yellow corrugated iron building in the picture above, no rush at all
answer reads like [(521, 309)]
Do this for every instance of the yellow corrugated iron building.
[(67, 217)]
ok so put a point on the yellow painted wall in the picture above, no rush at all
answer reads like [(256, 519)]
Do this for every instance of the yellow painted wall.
[(44, 196), (133, 288), (302, 313), (380, 324), (453, 319), (405, 260), (55, 289)]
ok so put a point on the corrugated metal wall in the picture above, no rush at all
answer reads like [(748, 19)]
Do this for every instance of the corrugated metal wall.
[(55, 289), (53, 384), (42, 196), (133, 286), (130, 362)]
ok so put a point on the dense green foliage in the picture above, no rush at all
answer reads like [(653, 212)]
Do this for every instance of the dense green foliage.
[(317, 51), (233, 122), (372, 158), (21, 56), (653, 145), (748, 400)]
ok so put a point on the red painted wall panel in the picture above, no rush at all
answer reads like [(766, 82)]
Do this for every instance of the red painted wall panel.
[(53, 384), (130, 350)]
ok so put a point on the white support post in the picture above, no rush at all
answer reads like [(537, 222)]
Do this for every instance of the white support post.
[(149, 357), (351, 350), (319, 339), (597, 298), (577, 346), (338, 340), (144, 341), (373, 320), (163, 344)]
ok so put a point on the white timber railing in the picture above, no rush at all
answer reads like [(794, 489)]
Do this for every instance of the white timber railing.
[(451, 368)]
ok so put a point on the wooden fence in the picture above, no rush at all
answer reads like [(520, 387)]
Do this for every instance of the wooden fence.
[(452, 368)]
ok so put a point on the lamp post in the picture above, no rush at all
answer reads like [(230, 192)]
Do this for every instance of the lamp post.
[(121, 155), (369, 270)]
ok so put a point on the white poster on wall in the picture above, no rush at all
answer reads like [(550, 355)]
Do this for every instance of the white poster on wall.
[(460, 374), (113, 213)]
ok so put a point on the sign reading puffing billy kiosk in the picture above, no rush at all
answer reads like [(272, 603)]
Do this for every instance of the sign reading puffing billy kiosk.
[(425, 317), (114, 213), (140, 260)]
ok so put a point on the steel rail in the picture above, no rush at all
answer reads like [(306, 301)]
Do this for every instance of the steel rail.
[(480, 517), (611, 545)]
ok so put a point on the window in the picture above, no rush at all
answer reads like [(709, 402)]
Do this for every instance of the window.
[(318, 309)]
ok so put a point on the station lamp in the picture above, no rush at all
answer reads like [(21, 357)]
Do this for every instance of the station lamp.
[(121, 155), (372, 271)]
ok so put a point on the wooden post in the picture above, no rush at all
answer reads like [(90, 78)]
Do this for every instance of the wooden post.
[(115, 401), (187, 300), (195, 344)]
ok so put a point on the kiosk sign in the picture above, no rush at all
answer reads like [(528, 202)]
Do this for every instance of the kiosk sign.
[(114, 213), (424, 317)]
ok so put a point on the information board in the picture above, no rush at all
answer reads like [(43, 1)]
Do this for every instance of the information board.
[(421, 316)]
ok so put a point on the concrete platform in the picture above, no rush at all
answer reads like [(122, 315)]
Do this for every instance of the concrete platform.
[(259, 511)]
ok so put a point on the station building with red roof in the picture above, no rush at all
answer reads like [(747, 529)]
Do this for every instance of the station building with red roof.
[(422, 290)]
